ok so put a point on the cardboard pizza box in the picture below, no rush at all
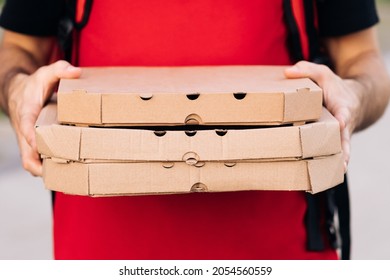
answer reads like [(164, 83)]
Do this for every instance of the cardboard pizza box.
[(205, 95), (126, 161), (136, 178), (316, 139)]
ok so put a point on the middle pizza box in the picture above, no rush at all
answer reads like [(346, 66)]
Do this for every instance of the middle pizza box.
[(70, 152)]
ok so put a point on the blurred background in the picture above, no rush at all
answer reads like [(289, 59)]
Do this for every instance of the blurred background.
[(25, 205)]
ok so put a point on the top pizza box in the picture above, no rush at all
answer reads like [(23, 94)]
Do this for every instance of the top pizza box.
[(203, 95)]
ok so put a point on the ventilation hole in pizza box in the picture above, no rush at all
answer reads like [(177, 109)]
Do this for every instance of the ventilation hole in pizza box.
[(229, 164), (193, 119), (146, 96), (192, 161), (200, 164), (168, 164), (193, 96), (221, 132), (199, 187), (239, 95), (190, 158), (190, 133), (160, 133)]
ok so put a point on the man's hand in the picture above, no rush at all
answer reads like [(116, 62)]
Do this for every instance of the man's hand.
[(27, 95), (341, 97), (358, 91)]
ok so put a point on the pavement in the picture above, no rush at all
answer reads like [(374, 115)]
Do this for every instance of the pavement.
[(25, 210)]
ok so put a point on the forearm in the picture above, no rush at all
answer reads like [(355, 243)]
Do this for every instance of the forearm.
[(13, 60), (372, 85), (365, 72), (20, 54)]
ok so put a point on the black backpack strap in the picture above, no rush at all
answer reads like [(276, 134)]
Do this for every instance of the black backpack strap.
[(70, 25), (341, 197), (314, 235), (335, 200), (294, 37)]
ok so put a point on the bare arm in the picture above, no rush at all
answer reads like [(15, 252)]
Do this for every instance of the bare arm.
[(20, 54), (25, 86), (357, 93), (357, 57)]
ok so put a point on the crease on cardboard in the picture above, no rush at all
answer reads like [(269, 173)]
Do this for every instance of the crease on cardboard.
[(80, 144), (321, 180), (284, 106), (301, 144), (321, 138), (88, 181), (58, 141)]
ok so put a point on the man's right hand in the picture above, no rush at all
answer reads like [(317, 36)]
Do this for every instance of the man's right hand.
[(27, 94)]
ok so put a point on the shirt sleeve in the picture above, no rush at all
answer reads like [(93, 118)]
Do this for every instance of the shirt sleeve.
[(341, 17), (37, 18)]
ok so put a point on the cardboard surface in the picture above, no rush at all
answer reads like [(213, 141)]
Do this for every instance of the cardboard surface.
[(311, 140), (123, 161), (115, 179), (213, 95)]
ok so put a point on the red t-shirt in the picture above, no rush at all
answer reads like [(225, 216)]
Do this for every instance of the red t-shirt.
[(235, 225)]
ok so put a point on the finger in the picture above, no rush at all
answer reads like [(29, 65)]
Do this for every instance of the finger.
[(60, 70), (317, 72), (30, 159), (343, 118), (50, 75), (27, 129), (346, 147)]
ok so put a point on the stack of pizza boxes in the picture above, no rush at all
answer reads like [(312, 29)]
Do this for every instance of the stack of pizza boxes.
[(162, 130)]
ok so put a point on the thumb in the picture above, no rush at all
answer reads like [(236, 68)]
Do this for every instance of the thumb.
[(61, 70), (304, 69), (50, 75)]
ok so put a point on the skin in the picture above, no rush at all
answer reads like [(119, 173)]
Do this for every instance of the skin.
[(26, 83), (357, 92)]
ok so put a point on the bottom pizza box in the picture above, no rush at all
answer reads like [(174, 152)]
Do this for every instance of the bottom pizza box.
[(100, 178)]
